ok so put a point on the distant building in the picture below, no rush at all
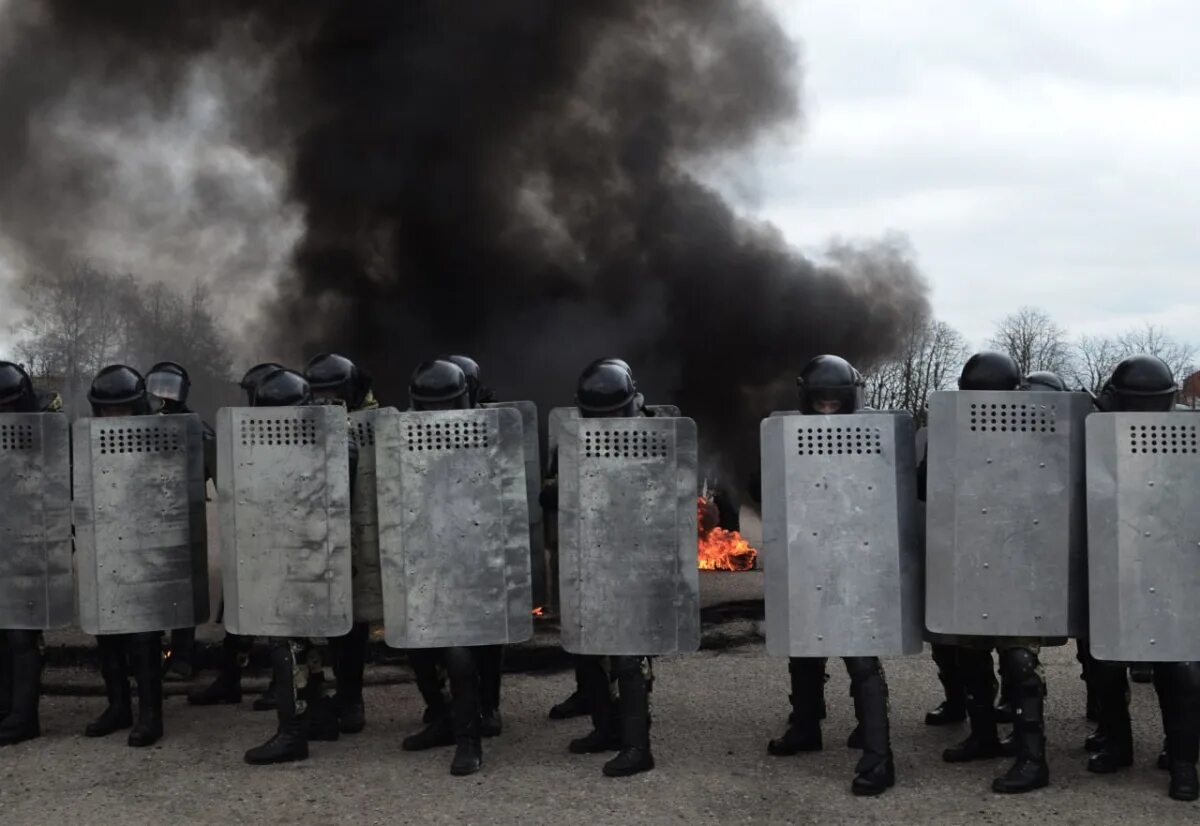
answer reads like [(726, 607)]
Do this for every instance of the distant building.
[(1189, 394)]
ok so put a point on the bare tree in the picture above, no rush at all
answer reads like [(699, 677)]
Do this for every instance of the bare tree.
[(1096, 356), (930, 360), (82, 319), (1034, 340)]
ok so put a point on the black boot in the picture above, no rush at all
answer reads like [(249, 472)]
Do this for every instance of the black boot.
[(349, 666), (1182, 716), (22, 723), (1030, 771), (227, 688), (491, 667), (462, 668), (876, 770), (575, 705), (605, 734), (634, 704), (954, 708), (322, 713), (803, 733), (491, 724), (119, 712), (979, 684), (438, 733), (1095, 741), (431, 682), (290, 741), (1184, 783), (148, 730), (1114, 736)]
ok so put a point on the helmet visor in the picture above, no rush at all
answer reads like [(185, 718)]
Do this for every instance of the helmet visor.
[(167, 386)]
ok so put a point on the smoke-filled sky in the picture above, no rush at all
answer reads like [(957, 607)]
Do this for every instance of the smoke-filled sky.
[(1035, 152)]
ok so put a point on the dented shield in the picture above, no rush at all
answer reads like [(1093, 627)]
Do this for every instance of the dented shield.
[(1005, 521), (285, 520), (1143, 478), (453, 527), (840, 536), (36, 582), (629, 581), (140, 528)]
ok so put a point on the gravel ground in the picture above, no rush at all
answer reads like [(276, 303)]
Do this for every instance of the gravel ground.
[(713, 715)]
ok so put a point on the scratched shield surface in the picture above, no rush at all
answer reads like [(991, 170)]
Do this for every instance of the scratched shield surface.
[(454, 534), (37, 588), (364, 522), (285, 520), (140, 529), (1143, 507), (629, 579), (533, 487), (840, 536), (1005, 514)]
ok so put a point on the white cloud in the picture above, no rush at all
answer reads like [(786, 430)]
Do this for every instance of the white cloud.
[(1035, 153)]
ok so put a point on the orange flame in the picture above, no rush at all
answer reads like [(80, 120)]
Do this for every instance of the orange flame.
[(719, 549), (539, 611)]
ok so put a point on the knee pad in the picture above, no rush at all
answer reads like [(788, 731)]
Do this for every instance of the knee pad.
[(861, 668), (1021, 666)]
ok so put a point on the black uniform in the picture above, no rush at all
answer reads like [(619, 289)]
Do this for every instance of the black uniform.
[(121, 391), (21, 649), (1144, 384), (830, 385)]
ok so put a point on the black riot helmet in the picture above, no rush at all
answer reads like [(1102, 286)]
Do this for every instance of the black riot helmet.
[(334, 376), (254, 375), (16, 389), (470, 369), (1140, 384), (1044, 380), (169, 381), (624, 365), (281, 388), (606, 388), (829, 384), (118, 386), (439, 384), (990, 370)]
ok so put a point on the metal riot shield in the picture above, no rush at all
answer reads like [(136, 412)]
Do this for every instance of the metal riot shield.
[(627, 536), (140, 525), (36, 586), (366, 585), (1143, 512), (560, 415), (284, 481), (840, 542), (533, 487), (1005, 522), (453, 528)]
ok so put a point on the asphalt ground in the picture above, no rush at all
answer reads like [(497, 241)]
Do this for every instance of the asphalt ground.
[(713, 713)]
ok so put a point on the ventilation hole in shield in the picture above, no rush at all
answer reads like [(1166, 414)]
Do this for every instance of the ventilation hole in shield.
[(444, 436), (1011, 417), (364, 433), (837, 441), (16, 437), (151, 438), (278, 432), (625, 444), (1155, 439)]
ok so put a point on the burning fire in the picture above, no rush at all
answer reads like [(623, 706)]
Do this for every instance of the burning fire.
[(719, 549), (539, 611)]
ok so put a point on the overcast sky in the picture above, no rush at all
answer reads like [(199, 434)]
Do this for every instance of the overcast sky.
[(1043, 153)]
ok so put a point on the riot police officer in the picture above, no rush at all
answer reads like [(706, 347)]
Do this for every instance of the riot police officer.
[(829, 385), (118, 390), (578, 703), (168, 385), (303, 711), (441, 384), (336, 378), (1019, 662), (621, 723), (235, 649), (1143, 383), (21, 649)]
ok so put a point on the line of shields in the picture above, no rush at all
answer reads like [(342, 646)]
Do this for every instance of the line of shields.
[(1036, 508)]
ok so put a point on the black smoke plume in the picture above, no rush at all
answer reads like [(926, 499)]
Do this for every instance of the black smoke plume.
[(522, 181)]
